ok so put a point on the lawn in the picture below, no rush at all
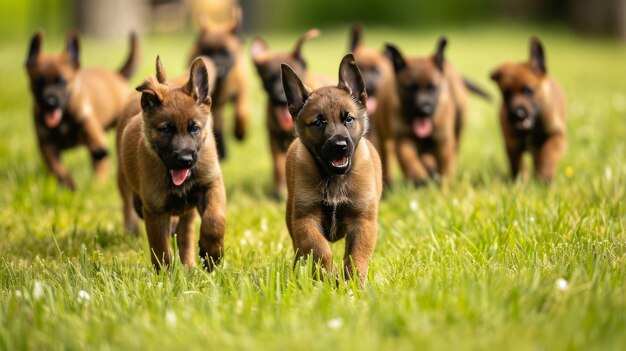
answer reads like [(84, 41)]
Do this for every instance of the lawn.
[(481, 263)]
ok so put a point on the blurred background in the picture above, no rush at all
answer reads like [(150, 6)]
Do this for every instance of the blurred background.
[(114, 18)]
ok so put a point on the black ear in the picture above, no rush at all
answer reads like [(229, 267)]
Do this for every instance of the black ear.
[(257, 47), (496, 75), (351, 79), (356, 36), (295, 91), (439, 54), (34, 49), (198, 84), (72, 50), (150, 97), (396, 57), (537, 56)]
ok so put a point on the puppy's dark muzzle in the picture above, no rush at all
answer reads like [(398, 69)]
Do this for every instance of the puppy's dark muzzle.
[(521, 118), (337, 153), (182, 159), (425, 110)]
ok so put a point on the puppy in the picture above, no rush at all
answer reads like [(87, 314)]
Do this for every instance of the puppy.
[(532, 115), (334, 176), (169, 168), (382, 99), (74, 106), (432, 108), (278, 120), (222, 43)]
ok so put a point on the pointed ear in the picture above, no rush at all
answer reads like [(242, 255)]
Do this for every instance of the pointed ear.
[(537, 56), (297, 50), (72, 50), (439, 57), (396, 57), (34, 49), (295, 91), (496, 75), (351, 79), (198, 84), (160, 71), (237, 20), (356, 36), (257, 47), (150, 96)]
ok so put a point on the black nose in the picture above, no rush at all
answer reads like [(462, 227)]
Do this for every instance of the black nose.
[(520, 113), (340, 145), (52, 101), (185, 158)]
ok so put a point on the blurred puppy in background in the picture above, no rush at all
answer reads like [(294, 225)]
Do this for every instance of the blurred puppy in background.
[(278, 121), (73, 105), (532, 114)]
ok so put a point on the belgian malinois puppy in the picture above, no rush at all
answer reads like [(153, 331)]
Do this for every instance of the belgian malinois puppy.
[(334, 176), (382, 99), (169, 168), (433, 101), (222, 43), (532, 115), (278, 120), (74, 106)]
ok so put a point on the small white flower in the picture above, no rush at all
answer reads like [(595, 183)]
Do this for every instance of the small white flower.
[(335, 323), (83, 296), (413, 205), (279, 246), (608, 174), (239, 307), (18, 293), (247, 233), (170, 317), (515, 224), (561, 284), (264, 224), (532, 219), (455, 202), (243, 242), (37, 290)]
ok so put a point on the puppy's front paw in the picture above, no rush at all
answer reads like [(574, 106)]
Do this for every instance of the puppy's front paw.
[(99, 154), (67, 182)]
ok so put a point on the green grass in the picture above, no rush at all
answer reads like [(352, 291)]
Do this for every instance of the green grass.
[(473, 265)]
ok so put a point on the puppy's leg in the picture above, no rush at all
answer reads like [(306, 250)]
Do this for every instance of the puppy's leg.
[(515, 151), (279, 158), (360, 244), (213, 213), (131, 220), (309, 240), (446, 157), (158, 229), (241, 111), (409, 161), (547, 156), (218, 132), (96, 140), (185, 237), (385, 151), (52, 157)]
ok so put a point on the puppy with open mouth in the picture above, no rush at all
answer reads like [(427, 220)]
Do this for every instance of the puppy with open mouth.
[(334, 177)]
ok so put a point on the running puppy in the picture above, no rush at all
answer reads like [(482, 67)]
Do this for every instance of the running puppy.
[(169, 168), (334, 180), (278, 121), (532, 115), (74, 106)]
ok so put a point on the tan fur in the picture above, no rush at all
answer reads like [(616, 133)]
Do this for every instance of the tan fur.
[(420, 160), (234, 86), (547, 141), (96, 98), (143, 177), (323, 207)]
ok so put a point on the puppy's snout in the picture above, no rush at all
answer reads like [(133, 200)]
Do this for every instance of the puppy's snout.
[(520, 113), (426, 109), (185, 158), (51, 100), (340, 145)]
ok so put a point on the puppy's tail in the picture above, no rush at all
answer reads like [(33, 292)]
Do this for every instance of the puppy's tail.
[(477, 90), (132, 61)]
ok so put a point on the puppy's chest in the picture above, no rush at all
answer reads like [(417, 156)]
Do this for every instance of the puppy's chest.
[(178, 201), (335, 191), (66, 135)]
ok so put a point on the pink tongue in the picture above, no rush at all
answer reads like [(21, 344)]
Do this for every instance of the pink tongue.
[(423, 128), (339, 161), (53, 118), (371, 105), (284, 118), (179, 176)]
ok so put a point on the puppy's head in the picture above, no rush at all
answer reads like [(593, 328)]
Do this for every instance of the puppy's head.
[(268, 66), (372, 63), (329, 121), (50, 76), (520, 84), (419, 81), (220, 42), (176, 118)]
